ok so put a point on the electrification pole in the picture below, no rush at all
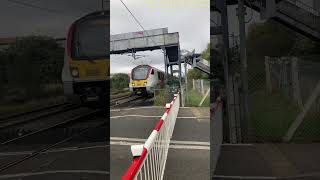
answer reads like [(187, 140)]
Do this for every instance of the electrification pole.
[(241, 11)]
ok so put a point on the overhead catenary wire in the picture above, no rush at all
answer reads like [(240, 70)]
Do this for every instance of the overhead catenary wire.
[(137, 21), (36, 7), (41, 8)]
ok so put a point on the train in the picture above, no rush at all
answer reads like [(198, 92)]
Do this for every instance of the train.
[(144, 79), (85, 73)]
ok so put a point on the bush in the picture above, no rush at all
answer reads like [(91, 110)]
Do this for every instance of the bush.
[(120, 81)]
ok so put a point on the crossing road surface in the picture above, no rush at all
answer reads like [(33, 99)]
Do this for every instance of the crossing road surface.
[(188, 156)]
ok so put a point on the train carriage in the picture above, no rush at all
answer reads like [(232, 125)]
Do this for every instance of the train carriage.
[(144, 79), (86, 69)]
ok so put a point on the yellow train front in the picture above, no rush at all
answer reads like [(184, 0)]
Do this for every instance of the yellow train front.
[(144, 79), (85, 72)]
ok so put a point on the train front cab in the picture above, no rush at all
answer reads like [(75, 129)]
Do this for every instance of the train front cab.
[(86, 66), (144, 79)]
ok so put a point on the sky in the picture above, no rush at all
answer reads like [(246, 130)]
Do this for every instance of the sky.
[(191, 18), (20, 20)]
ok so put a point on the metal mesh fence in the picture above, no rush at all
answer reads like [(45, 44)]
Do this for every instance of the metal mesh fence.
[(284, 101), (198, 92), (199, 85)]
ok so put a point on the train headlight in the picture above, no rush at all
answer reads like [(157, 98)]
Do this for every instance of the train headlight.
[(145, 83), (74, 72), (132, 84)]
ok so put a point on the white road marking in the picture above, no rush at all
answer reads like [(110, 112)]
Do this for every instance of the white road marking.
[(143, 116), (195, 145), (229, 144), (245, 177), (144, 107), (172, 141), (124, 143), (133, 115), (304, 176), (18, 175)]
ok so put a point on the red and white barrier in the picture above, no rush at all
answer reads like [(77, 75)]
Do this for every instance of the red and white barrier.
[(150, 158)]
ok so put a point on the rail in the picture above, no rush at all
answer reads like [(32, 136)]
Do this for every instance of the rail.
[(150, 158)]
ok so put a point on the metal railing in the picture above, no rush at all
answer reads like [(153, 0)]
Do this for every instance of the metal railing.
[(150, 158), (308, 16), (305, 6)]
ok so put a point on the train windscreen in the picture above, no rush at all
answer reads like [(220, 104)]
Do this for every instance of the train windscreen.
[(140, 73), (91, 39)]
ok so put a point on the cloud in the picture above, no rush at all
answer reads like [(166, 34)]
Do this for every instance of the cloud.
[(192, 23), (19, 20)]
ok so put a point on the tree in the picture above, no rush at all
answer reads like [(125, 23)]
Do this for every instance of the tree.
[(206, 53), (196, 74), (269, 39), (32, 61), (120, 81)]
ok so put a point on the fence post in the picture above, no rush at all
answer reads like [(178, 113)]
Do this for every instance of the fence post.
[(202, 88), (295, 82), (268, 75), (193, 85)]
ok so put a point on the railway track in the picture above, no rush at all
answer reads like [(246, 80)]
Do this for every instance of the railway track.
[(2, 118), (27, 117), (57, 141), (123, 100), (28, 126)]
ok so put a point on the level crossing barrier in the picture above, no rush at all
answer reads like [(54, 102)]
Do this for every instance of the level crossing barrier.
[(149, 159)]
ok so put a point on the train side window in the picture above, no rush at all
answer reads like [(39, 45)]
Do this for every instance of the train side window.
[(159, 75), (152, 71)]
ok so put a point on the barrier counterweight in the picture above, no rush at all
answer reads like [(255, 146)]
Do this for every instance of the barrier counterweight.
[(150, 158)]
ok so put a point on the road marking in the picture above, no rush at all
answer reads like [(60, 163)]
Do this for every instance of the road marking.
[(143, 107), (143, 116), (173, 144), (244, 177), (172, 141), (229, 144), (134, 115), (53, 172), (123, 143), (52, 151), (305, 175)]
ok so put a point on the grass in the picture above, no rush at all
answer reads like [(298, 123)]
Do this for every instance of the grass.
[(161, 97), (194, 98), (16, 100), (309, 131), (271, 115)]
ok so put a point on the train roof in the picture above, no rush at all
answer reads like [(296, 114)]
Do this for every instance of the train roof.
[(149, 66), (94, 14)]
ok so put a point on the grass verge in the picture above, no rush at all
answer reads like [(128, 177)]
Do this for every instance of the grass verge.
[(194, 98)]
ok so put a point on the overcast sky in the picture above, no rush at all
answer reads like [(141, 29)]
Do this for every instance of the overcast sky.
[(191, 18), (19, 20)]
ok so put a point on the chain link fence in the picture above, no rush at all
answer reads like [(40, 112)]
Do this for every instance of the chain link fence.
[(198, 92), (284, 101)]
